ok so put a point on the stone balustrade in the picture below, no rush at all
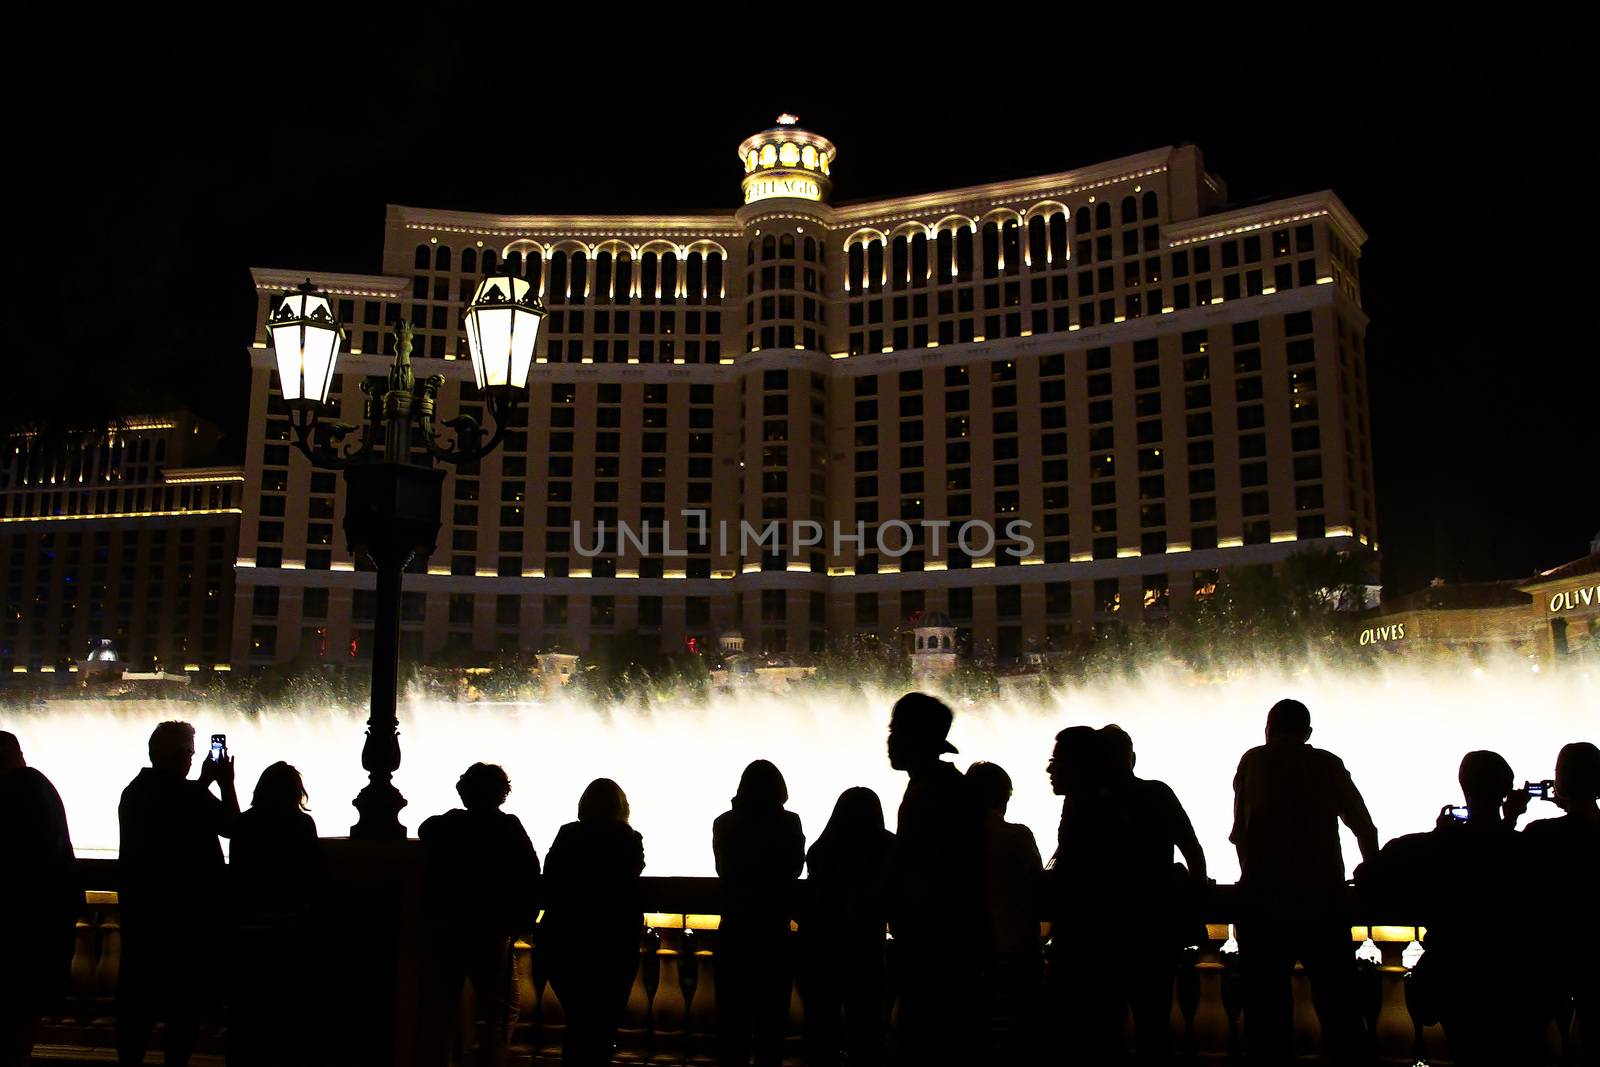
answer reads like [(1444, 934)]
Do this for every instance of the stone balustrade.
[(670, 1016)]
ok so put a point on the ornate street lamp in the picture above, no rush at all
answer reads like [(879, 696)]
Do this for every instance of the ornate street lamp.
[(391, 503)]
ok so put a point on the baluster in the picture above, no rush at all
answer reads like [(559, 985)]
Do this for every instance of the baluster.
[(1307, 1027), (703, 1009), (80, 981), (525, 998), (670, 1006), (689, 982), (1233, 997), (635, 1016), (107, 968), (650, 983), (1394, 1034)]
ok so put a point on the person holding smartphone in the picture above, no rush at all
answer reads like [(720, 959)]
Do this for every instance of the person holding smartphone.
[(172, 892)]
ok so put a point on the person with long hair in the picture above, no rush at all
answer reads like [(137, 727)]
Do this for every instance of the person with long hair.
[(759, 849), (592, 921), (842, 932), (275, 864)]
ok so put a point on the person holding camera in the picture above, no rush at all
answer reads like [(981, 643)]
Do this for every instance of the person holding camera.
[(1467, 880), (1568, 848), (172, 883)]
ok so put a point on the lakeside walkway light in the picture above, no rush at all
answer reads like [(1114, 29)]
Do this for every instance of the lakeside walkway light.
[(392, 503)]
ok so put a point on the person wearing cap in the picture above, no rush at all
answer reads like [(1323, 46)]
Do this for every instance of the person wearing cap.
[(936, 899)]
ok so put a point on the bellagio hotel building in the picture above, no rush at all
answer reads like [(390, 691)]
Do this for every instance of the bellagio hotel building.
[(1142, 384)]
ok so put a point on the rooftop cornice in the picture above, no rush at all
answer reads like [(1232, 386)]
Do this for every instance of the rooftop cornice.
[(1263, 216), (708, 224), (275, 279), (1065, 183)]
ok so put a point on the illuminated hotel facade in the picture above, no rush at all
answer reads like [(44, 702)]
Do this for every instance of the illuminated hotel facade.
[(1155, 385), (117, 536)]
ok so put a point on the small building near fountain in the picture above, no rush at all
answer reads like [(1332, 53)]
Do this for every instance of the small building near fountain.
[(557, 669), (933, 648), (737, 669)]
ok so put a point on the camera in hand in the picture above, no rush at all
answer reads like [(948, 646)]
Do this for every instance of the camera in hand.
[(1545, 790), (1458, 812), (219, 747)]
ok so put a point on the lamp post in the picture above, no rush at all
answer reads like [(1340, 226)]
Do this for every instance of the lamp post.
[(391, 503)]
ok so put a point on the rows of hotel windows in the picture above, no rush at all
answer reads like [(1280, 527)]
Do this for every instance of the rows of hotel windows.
[(787, 497), (1042, 289), (512, 618), (66, 589), (906, 499), (613, 306), (649, 474), (786, 307), (101, 477)]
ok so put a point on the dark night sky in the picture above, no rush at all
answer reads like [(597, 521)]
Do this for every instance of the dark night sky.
[(1483, 384)]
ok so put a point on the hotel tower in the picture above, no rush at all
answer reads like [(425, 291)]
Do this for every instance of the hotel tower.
[(802, 420)]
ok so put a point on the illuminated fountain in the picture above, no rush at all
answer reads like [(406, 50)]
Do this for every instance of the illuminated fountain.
[(1401, 730)]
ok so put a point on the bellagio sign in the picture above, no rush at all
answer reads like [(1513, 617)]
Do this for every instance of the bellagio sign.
[(1573, 599)]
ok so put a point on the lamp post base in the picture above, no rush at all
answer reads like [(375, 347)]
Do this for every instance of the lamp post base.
[(379, 805)]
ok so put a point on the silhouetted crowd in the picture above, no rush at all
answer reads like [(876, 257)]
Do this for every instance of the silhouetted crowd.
[(918, 946)]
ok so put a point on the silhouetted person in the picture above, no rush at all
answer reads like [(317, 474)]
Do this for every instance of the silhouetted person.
[(172, 889), (1014, 889), (39, 900), (1567, 852), (592, 921), (937, 892), (1288, 800), (843, 978), (275, 862), (1121, 903), (1470, 882), (480, 887), (759, 848)]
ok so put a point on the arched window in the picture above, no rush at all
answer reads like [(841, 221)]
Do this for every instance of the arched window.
[(648, 274), (489, 261), (786, 246), (623, 291), (714, 278), (441, 258), (1011, 245), (900, 263), (1038, 244), (578, 276), (533, 270), (1083, 221), (1130, 210), (514, 262), (964, 258), (944, 255), (602, 277), (874, 267), (669, 278), (1058, 239), (919, 261), (991, 250), (469, 261), (424, 256), (856, 267), (558, 277), (1150, 204), (811, 249), (694, 278), (1102, 215), (769, 247), (750, 255)]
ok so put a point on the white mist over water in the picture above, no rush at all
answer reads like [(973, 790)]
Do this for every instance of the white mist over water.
[(1401, 729)]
